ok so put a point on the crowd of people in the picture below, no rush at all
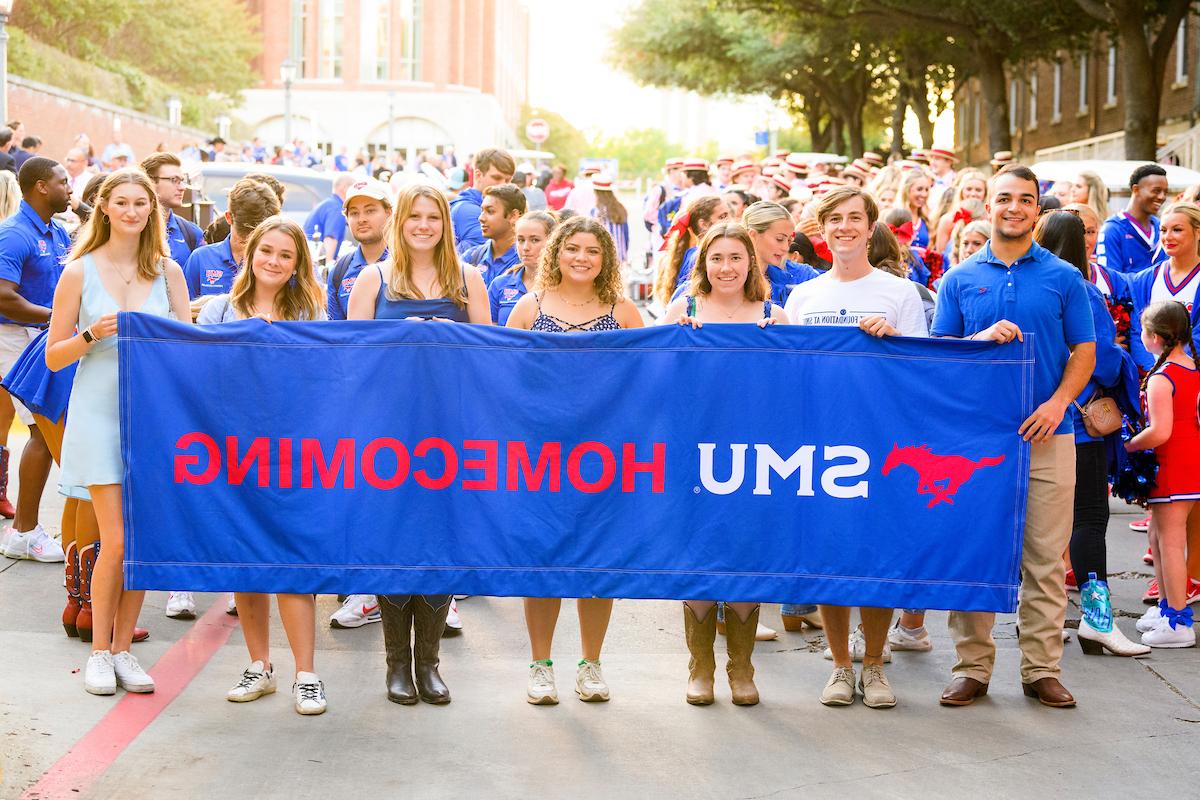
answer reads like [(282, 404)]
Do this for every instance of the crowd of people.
[(908, 248)]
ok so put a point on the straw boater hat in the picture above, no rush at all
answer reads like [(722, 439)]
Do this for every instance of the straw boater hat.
[(782, 183), (1001, 157), (724, 160), (796, 163), (781, 154), (673, 163), (873, 159), (603, 182), (695, 163), (942, 153), (741, 166), (920, 156), (856, 169)]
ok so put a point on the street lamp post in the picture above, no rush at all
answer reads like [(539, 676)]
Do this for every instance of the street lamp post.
[(6, 7), (287, 74), (391, 147), (223, 123), (174, 110)]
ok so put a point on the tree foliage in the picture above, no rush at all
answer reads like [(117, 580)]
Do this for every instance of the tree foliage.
[(568, 143)]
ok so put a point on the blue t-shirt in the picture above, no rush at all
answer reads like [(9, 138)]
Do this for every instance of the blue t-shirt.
[(328, 219), (32, 255), (1124, 247), (503, 293), (464, 219), (490, 266), (1039, 292), (345, 273), (179, 232), (211, 270)]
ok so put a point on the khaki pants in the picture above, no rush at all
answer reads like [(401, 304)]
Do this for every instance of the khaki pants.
[(1043, 602)]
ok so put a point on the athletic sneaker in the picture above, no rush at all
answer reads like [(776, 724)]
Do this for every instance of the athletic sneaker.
[(1152, 592), (858, 647), (1148, 558), (358, 610), (1163, 635), (34, 545), (453, 623), (309, 692), (130, 675), (1140, 525), (541, 690), (1149, 620), (231, 605), (98, 675), (899, 638), (255, 682), (839, 691), (589, 682), (181, 605), (874, 687), (461, 596)]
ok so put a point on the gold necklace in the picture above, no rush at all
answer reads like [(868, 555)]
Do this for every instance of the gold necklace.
[(584, 304), (120, 274)]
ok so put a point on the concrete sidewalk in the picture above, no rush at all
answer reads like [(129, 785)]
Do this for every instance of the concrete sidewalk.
[(1137, 728)]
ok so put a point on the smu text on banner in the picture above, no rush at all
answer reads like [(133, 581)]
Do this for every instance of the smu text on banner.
[(730, 462)]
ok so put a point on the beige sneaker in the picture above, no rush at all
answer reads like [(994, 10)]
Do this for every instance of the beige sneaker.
[(840, 689), (875, 689)]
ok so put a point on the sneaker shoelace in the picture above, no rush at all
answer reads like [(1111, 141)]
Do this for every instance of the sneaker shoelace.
[(591, 673), (248, 679), (309, 691), (541, 677)]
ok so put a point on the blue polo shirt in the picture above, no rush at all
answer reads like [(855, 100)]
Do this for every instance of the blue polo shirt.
[(1039, 292), (1124, 247), (32, 255), (503, 293), (327, 218), (179, 232), (490, 265), (210, 270), (344, 274), (464, 219), (686, 266)]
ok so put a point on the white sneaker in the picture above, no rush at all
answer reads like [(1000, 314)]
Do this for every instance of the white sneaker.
[(309, 692), (181, 605), (130, 675), (98, 675), (858, 647), (461, 596), (874, 687), (231, 605), (589, 682), (1149, 620), (254, 683), (542, 690), (358, 610), (34, 545), (1164, 635), (839, 689), (453, 623), (900, 639)]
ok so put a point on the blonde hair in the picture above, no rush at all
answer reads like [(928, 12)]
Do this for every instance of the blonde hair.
[(95, 233), (1097, 199), (10, 194), (755, 287), (763, 214), (302, 297), (906, 182), (607, 284), (978, 226), (888, 178), (450, 279)]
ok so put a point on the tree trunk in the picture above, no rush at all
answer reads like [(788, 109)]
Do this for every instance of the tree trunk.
[(1144, 50), (837, 140), (995, 98), (920, 104), (854, 127), (813, 114), (898, 121)]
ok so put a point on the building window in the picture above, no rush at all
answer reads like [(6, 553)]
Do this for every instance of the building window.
[(1012, 105), (376, 41), (1056, 100), (977, 102), (409, 35), (329, 38), (1033, 99), (1110, 99), (301, 34), (1083, 83), (1181, 60)]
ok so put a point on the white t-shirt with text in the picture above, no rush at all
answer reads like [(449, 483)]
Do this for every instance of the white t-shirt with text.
[(825, 301)]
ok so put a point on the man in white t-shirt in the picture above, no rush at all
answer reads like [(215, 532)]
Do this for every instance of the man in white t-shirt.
[(855, 293)]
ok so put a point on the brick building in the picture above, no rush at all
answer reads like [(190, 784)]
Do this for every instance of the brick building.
[(1073, 106), (436, 72)]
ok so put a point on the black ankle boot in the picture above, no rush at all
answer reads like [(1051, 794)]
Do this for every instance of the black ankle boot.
[(429, 620), (396, 613)]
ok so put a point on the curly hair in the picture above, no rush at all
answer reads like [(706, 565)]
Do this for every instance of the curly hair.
[(607, 284)]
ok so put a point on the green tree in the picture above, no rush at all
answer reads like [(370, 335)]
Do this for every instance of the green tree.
[(568, 143), (641, 152)]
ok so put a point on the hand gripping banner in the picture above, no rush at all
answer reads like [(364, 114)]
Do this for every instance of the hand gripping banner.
[(728, 463)]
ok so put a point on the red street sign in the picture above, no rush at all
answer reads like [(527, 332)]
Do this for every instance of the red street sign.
[(537, 130)]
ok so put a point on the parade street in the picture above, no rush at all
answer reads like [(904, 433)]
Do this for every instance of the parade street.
[(186, 741)]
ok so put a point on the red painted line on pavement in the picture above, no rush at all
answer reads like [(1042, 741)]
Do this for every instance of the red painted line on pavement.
[(74, 773)]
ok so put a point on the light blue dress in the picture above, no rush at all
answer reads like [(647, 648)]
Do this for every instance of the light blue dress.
[(91, 448)]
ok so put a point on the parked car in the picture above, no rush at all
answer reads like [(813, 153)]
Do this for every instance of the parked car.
[(305, 188), (1115, 175)]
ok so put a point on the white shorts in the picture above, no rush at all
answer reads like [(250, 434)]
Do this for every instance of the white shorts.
[(13, 341)]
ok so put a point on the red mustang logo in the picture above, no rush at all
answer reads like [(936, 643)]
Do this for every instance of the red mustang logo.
[(940, 476)]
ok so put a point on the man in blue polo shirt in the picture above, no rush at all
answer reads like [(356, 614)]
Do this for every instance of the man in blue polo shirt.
[(368, 209), (502, 206), (327, 222), (1129, 240), (165, 171), (1011, 287), (492, 168), (210, 269), (33, 249)]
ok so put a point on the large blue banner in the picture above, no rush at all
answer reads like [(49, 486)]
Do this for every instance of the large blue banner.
[(731, 463)]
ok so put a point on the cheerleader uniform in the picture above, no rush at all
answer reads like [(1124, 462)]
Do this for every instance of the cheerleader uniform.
[(1179, 456)]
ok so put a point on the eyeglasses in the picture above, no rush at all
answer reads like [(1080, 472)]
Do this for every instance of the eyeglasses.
[(177, 180)]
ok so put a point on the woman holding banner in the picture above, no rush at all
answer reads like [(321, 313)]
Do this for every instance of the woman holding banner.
[(727, 286), (578, 290), (280, 285), (422, 279), (118, 264)]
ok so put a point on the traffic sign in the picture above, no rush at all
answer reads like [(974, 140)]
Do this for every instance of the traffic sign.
[(537, 130)]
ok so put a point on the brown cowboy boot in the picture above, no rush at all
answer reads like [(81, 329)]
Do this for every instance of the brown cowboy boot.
[(739, 642), (702, 665)]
